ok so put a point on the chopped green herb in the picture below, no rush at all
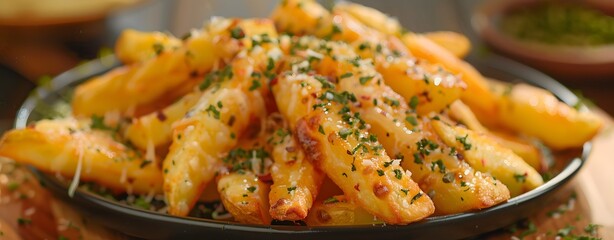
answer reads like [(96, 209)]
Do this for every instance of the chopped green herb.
[(380, 172), (439, 164), (331, 200), (413, 102), (345, 132), (592, 229), (251, 189), (158, 48), (564, 232), (405, 191), (142, 203), (212, 110), (270, 64), (321, 130), (417, 158), (24, 221), (363, 46), (255, 85), (532, 229), (365, 79), (13, 186), (98, 123), (412, 120), (415, 198), (398, 173), (520, 178), (463, 140), (290, 189), (346, 75), (237, 33)]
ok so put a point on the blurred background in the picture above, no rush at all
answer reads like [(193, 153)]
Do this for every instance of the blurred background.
[(42, 38)]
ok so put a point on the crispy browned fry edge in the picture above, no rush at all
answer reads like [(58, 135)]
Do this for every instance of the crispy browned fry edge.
[(245, 197), (296, 181)]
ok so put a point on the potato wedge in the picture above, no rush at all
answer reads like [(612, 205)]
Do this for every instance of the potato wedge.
[(69, 147), (477, 95), (299, 16), (456, 43), (245, 197), (155, 129), (528, 152), (434, 87), (536, 112), (371, 17), (452, 184), (296, 182), (139, 84), (357, 167), (486, 155), (198, 139), (134, 46)]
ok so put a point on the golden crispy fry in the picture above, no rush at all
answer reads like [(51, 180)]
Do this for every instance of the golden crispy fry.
[(477, 95), (434, 87), (212, 127), (456, 43), (296, 181), (69, 147), (452, 184), (245, 197), (485, 155), (528, 152), (371, 17), (142, 83), (536, 112), (154, 129), (197, 141), (338, 211), (134, 46), (299, 16), (356, 166)]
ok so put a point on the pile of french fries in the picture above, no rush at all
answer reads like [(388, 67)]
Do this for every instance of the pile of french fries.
[(328, 117)]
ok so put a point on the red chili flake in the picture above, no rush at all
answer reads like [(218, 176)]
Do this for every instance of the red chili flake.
[(161, 116), (266, 178)]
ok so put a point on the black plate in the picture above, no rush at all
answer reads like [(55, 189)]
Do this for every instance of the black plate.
[(153, 225)]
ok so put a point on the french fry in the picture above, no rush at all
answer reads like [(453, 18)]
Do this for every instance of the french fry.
[(371, 17), (139, 84), (456, 43), (221, 116), (155, 129), (134, 46), (477, 95), (198, 139), (69, 147), (452, 184), (536, 112), (296, 182), (434, 87), (528, 152), (357, 167), (245, 197), (486, 155)]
